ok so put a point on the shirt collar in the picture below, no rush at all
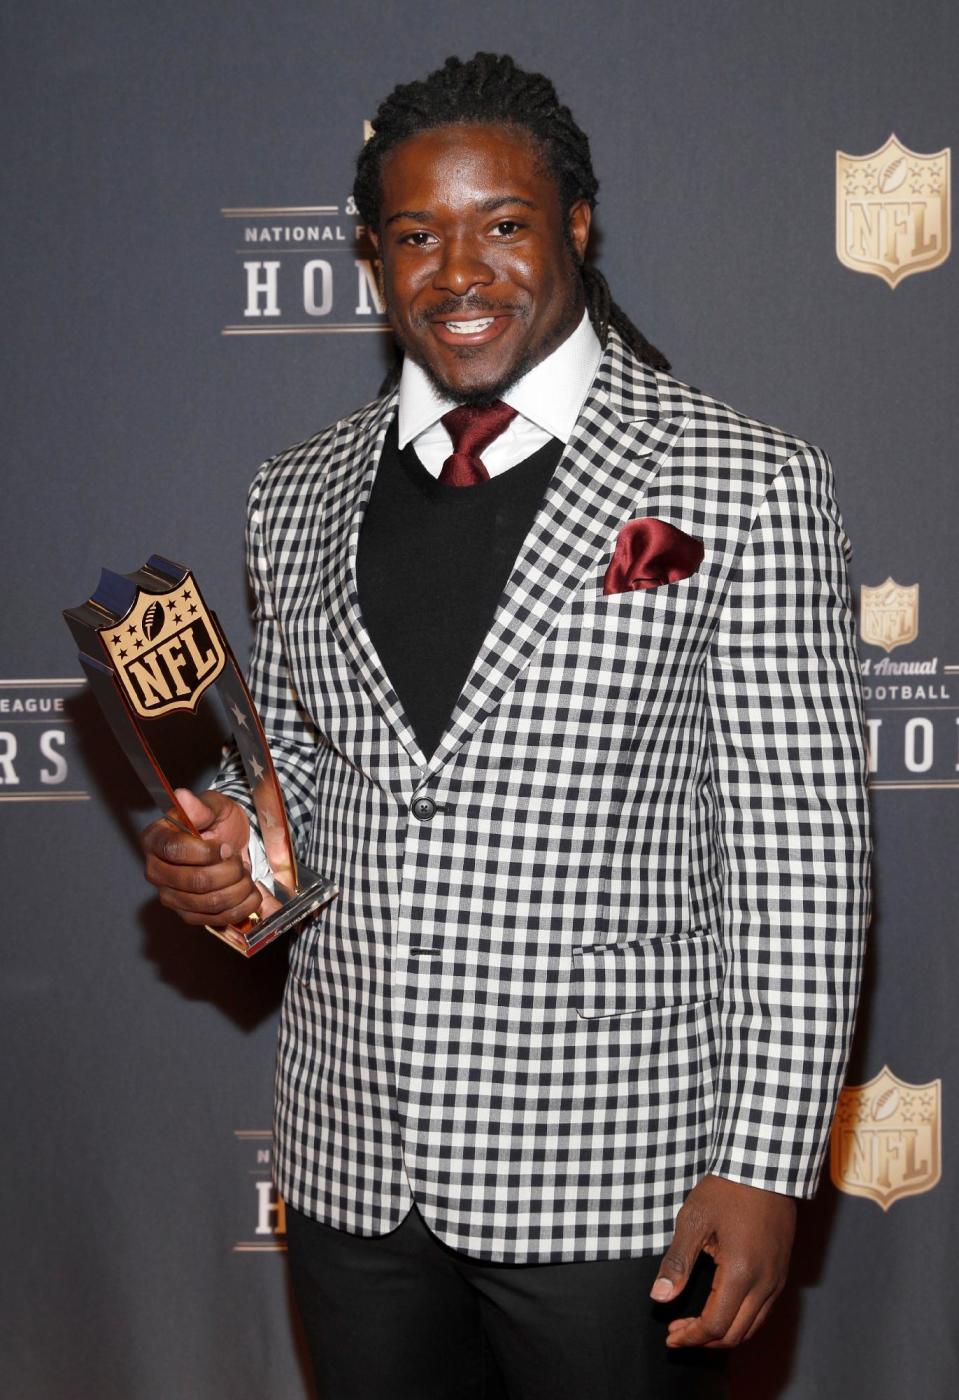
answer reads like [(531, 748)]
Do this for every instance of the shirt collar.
[(550, 395)]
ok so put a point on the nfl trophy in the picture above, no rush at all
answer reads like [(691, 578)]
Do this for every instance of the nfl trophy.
[(151, 650)]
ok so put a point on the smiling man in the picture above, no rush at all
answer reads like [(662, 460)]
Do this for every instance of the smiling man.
[(556, 659)]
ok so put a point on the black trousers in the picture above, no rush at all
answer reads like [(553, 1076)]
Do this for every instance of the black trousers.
[(404, 1317)]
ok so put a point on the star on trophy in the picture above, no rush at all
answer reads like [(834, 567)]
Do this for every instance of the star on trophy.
[(151, 650)]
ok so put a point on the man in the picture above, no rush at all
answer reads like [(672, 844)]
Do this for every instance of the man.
[(556, 660)]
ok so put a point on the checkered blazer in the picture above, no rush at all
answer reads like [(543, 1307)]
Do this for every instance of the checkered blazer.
[(625, 950)]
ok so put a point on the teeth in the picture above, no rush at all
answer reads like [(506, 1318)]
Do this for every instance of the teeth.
[(468, 327)]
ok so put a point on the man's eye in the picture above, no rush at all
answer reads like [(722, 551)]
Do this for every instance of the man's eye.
[(507, 227), (419, 239)]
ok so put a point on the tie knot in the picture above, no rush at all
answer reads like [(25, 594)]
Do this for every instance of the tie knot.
[(472, 430)]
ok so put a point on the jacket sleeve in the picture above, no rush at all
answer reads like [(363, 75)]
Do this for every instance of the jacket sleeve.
[(290, 734), (789, 778)]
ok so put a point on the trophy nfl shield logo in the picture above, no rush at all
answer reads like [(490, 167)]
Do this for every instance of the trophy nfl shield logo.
[(165, 650), (892, 211), (889, 614), (886, 1139)]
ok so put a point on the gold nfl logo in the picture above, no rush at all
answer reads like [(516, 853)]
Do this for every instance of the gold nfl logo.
[(166, 650), (886, 1139), (889, 614), (892, 211)]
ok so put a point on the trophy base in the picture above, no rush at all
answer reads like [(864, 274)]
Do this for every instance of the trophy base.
[(313, 891)]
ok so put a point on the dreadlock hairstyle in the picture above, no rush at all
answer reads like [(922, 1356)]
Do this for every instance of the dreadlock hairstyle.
[(491, 88)]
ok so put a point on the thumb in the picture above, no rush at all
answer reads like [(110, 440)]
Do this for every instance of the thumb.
[(677, 1262), (199, 813)]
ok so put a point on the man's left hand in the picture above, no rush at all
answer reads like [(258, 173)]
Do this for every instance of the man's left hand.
[(749, 1233)]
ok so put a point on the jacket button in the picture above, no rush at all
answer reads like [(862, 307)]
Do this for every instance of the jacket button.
[(424, 808)]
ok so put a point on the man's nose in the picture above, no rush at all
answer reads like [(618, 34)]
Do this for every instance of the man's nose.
[(462, 268)]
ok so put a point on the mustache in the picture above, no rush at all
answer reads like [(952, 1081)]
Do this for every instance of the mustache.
[(454, 306)]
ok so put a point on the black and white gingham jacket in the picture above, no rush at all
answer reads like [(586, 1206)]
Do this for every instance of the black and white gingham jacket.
[(626, 949)]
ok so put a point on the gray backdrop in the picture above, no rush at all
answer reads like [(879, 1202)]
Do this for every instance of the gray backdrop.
[(138, 1055)]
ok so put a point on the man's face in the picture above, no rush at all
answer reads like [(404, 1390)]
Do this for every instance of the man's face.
[(480, 265)]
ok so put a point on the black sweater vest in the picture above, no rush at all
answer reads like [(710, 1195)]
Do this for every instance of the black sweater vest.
[(432, 563)]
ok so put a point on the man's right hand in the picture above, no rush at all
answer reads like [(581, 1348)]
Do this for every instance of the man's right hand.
[(204, 878)]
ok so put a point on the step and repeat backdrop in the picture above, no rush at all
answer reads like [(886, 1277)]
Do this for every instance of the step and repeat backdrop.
[(186, 292)]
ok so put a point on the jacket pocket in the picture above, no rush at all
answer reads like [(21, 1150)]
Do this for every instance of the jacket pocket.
[(643, 974)]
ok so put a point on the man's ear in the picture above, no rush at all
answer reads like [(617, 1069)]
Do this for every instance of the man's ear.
[(578, 222)]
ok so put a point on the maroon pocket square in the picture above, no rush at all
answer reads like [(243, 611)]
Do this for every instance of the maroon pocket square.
[(649, 552)]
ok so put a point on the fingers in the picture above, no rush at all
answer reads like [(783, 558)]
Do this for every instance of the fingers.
[(729, 1291), (219, 893), (270, 903), (714, 1333), (232, 905), (165, 842), (204, 878), (736, 1307), (201, 814), (761, 1315), (683, 1251)]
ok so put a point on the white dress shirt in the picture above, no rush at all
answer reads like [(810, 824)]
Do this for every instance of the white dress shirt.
[(547, 401)]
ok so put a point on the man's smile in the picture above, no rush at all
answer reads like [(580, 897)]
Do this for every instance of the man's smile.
[(477, 328), (481, 323)]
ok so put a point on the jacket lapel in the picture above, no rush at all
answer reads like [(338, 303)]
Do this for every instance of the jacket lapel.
[(614, 453), (345, 500), (615, 450)]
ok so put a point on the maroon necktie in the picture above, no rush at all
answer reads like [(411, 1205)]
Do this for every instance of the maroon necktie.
[(472, 430)]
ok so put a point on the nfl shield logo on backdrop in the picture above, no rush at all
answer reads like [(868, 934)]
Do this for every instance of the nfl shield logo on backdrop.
[(892, 211), (889, 614), (886, 1139)]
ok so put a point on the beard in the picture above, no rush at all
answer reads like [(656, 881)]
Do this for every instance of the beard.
[(484, 395)]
